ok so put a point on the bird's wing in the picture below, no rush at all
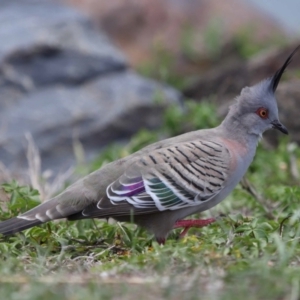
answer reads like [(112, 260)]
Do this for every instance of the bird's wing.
[(178, 176), (169, 178)]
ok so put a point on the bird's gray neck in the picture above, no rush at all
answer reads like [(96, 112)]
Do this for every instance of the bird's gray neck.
[(233, 128)]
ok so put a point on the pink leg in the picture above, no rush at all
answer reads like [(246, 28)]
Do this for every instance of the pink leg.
[(187, 224)]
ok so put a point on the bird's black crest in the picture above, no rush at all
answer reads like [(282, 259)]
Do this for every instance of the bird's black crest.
[(276, 77)]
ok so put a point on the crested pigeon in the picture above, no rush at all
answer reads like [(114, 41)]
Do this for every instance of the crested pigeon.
[(161, 184)]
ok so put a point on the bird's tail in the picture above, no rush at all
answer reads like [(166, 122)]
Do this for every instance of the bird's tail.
[(45, 212), (42, 213), (15, 225), (71, 201)]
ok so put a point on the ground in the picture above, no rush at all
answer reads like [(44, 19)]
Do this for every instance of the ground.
[(251, 252)]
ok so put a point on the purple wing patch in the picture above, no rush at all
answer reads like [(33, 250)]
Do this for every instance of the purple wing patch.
[(133, 189), (126, 187)]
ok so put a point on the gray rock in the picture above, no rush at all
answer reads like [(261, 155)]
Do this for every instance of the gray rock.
[(61, 66), (45, 43), (61, 80), (29, 23)]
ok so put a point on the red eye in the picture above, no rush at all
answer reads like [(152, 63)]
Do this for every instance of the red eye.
[(262, 112)]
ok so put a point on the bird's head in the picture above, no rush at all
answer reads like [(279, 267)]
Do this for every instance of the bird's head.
[(256, 107)]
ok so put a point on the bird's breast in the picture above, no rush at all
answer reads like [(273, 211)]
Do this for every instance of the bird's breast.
[(241, 155)]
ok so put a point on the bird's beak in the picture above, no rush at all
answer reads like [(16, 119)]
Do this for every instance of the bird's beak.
[(277, 125)]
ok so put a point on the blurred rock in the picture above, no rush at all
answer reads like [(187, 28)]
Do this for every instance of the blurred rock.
[(185, 28), (63, 81)]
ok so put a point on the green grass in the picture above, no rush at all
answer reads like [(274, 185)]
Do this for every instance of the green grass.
[(252, 252)]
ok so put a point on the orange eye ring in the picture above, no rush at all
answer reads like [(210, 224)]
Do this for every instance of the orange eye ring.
[(262, 112)]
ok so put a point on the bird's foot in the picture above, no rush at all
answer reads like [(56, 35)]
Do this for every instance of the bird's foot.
[(187, 224)]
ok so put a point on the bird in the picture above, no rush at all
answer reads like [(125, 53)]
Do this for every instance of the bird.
[(160, 185)]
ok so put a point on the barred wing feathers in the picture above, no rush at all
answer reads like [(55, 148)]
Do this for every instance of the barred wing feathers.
[(175, 177)]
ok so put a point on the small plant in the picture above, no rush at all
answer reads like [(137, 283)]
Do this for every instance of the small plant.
[(253, 244)]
